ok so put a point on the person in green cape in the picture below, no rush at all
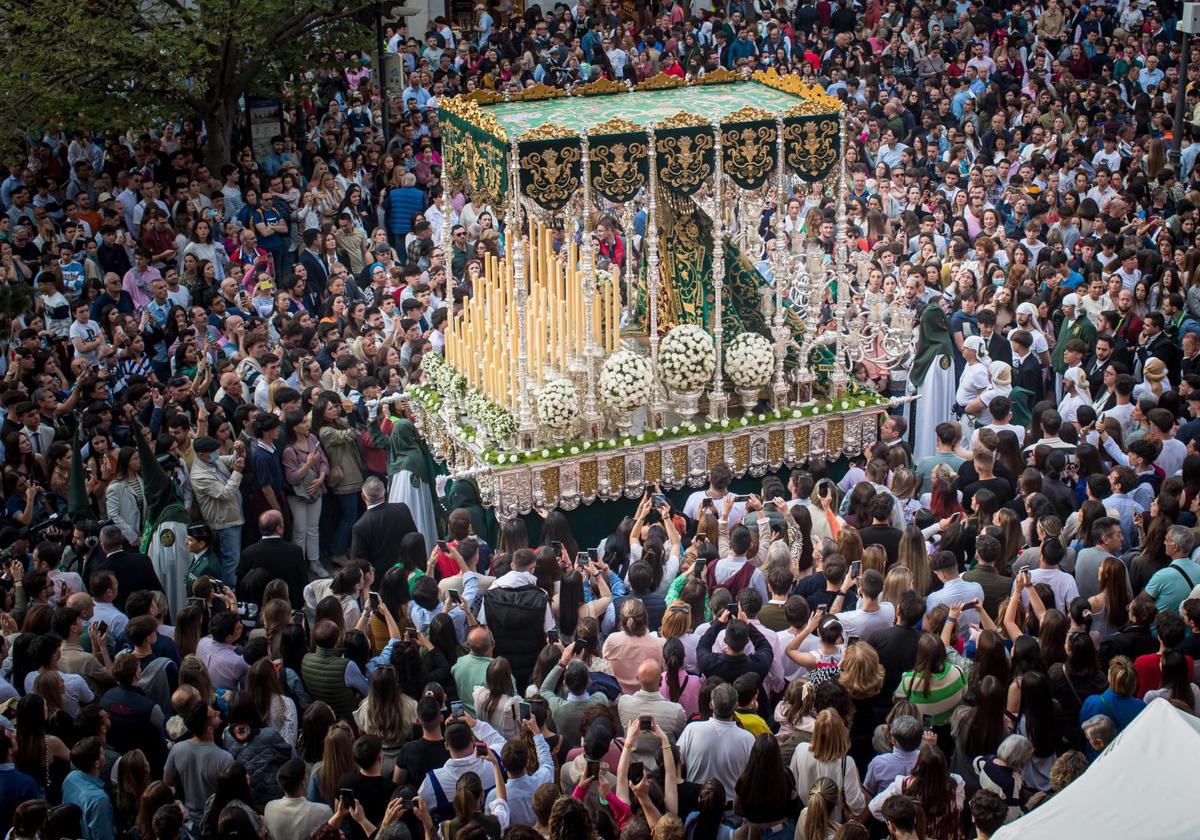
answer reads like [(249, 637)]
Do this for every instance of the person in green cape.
[(164, 537), (410, 467), (932, 379)]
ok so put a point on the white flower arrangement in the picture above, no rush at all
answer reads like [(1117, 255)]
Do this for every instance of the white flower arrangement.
[(686, 358), (558, 404), (749, 360), (626, 380)]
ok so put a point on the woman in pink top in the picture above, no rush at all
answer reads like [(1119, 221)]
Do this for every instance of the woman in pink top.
[(632, 645), (677, 683)]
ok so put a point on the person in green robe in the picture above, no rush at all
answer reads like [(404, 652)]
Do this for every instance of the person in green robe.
[(410, 467)]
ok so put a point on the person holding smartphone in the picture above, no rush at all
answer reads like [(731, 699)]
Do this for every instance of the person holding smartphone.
[(462, 735)]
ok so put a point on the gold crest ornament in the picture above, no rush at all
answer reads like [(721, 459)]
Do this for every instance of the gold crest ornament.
[(551, 174), (685, 160), (167, 538), (619, 168), (811, 147)]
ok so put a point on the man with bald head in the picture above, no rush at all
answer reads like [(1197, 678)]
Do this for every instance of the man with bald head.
[(471, 670), (278, 557), (648, 700)]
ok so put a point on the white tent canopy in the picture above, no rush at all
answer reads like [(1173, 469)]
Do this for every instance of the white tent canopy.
[(1143, 785)]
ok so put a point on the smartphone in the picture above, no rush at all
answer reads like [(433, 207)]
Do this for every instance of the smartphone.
[(454, 596), (374, 600), (741, 499), (557, 546), (101, 627), (552, 637), (524, 710), (646, 722), (347, 796), (852, 641), (855, 568), (927, 722), (823, 491), (659, 499), (593, 554), (581, 559), (593, 769), (637, 771), (410, 634), (481, 749), (957, 516), (456, 709), (708, 503)]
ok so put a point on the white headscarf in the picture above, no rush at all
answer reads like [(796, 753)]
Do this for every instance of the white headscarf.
[(1001, 375), (1076, 377)]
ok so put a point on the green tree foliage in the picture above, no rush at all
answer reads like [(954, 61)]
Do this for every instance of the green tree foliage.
[(120, 64)]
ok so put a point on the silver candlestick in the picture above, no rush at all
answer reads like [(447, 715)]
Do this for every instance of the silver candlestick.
[(718, 400)]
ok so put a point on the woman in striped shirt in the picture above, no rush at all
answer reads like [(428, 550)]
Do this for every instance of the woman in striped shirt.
[(934, 685)]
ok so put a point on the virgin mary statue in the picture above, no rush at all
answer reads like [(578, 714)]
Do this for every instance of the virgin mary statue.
[(931, 379)]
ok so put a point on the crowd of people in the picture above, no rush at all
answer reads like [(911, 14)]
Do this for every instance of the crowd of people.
[(238, 600)]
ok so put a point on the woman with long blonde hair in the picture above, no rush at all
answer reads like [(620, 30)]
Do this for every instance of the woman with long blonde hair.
[(337, 759), (897, 581), (875, 557), (913, 555), (816, 819), (850, 545), (827, 756)]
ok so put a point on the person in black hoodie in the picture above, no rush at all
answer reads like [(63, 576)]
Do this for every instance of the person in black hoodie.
[(734, 661)]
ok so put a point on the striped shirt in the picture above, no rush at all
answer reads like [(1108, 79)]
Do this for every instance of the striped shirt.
[(945, 692)]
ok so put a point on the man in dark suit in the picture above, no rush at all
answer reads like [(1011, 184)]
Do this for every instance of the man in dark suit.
[(133, 570), (1094, 367), (376, 536), (1027, 370), (996, 344), (1156, 344), (315, 271), (278, 557)]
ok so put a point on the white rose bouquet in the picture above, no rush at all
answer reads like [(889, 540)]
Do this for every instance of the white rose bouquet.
[(626, 380), (558, 405), (749, 360), (686, 358)]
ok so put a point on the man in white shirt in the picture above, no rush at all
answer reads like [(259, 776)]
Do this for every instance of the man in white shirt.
[(717, 748), (871, 615), (1027, 320), (1103, 192), (104, 592), (719, 478), (1162, 429), (1064, 586), (292, 814)]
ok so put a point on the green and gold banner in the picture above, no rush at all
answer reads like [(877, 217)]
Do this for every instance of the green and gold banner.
[(686, 157), (811, 145), (749, 152), (551, 171), (474, 159), (620, 165)]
